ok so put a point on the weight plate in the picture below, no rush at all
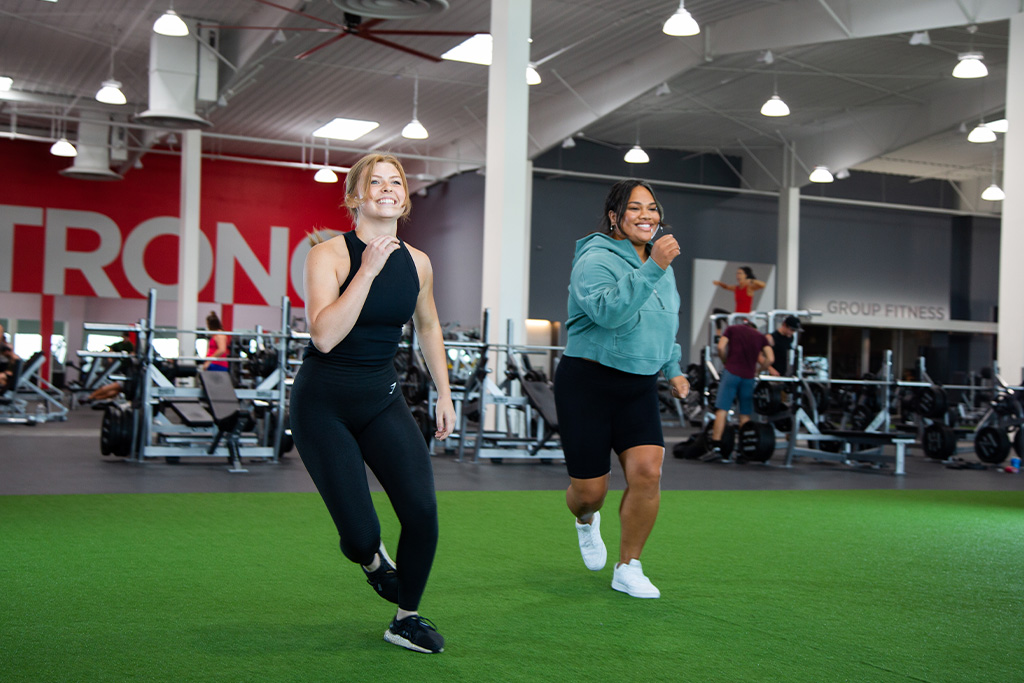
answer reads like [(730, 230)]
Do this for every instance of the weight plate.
[(991, 445), (931, 401), (111, 418), (938, 441), (756, 442), (767, 398)]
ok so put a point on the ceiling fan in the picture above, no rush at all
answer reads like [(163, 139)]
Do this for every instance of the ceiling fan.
[(354, 25)]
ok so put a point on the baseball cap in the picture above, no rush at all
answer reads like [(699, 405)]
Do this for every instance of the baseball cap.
[(792, 322)]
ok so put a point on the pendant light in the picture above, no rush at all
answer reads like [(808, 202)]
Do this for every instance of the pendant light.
[(325, 174), (775, 107), (821, 174), (982, 134), (993, 193), (970, 65), (170, 24), (681, 23), (110, 92), (414, 130), (63, 148), (532, 75)]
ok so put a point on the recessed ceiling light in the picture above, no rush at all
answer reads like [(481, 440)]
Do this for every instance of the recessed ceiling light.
[(345, 129), (474, 50)]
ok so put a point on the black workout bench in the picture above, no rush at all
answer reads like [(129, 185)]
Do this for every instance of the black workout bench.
[(847, 438)]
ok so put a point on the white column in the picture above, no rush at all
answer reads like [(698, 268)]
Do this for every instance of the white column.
[(507, 190), (788, 256), (1010, 351), (188, 238)]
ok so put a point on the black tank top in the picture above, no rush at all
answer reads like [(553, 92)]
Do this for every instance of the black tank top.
[(389, 305)]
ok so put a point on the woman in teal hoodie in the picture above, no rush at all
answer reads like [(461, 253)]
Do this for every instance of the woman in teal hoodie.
[(623, 318)]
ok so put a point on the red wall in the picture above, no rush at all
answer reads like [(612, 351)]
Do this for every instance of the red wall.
[(253, 198)]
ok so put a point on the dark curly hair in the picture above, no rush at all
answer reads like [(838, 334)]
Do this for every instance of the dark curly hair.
[(618, 199)]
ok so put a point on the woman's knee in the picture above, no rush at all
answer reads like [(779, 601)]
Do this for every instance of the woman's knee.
[(359, 548), (589, 493), (643, 470)]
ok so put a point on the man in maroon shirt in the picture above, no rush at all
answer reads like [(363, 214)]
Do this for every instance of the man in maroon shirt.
[(745, 351)]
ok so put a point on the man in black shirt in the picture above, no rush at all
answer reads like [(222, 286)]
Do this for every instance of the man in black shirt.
[(782, 341)]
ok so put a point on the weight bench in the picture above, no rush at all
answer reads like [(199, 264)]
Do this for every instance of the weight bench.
[(229, 417), (542, 397), (871, 439), (222, 412)]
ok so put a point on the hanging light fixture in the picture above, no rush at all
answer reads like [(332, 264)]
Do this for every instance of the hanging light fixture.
[(998, 126), (970, 65), (532, 77), (774, 107), (414, 130), (324, 174), (993, 193), (636, 155), (63, 148), (681, 23), (6, 82), (568, 143), (170, 24), (821, 174), (110, 92), (981, 134)]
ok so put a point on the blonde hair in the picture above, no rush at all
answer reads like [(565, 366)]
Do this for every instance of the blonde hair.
[(357, 186), (357, 182)]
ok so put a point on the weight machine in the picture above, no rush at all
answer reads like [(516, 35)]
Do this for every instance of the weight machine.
[(165, 415)]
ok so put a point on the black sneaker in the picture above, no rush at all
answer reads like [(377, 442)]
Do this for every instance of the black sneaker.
[(415, 633), (384, 578)]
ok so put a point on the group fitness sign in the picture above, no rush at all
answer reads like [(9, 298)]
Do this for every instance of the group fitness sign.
[(65, 236)]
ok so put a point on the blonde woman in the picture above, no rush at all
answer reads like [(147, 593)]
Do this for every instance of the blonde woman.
[(347, 408)]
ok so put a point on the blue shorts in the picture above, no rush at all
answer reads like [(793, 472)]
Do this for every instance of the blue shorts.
[(732, 386)]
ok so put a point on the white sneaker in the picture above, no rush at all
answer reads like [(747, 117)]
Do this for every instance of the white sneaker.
[(591, 546), (629, 578)]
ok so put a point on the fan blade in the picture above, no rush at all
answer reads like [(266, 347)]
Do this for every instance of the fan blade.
[(301, 14), (396, 46), (329, 41), (406, 32), (273, 28)]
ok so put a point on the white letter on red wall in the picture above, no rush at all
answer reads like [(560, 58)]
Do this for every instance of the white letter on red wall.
[(9, 217), (132, 258), (59, 260), (271, 284)]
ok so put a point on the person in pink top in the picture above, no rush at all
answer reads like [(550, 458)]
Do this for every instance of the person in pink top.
[(743, 290)]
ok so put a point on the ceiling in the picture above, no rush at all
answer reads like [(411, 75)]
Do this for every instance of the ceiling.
[(862, 97)]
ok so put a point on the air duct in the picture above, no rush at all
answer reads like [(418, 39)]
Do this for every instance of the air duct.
[(93, 160), (173, 78)]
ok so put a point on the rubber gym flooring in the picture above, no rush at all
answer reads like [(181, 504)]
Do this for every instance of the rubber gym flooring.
[(64, 458)]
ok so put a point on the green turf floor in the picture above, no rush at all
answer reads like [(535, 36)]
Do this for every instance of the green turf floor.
[(756, 586)]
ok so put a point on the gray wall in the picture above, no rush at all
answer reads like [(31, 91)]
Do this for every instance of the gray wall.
[(448, 224), (853, 253), (846, 251)]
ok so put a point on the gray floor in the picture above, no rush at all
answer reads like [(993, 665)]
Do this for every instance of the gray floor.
[(64, 458)]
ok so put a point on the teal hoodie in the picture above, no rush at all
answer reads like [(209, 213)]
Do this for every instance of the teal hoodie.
[(623, 313)]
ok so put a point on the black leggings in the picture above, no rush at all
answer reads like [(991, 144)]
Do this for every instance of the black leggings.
[(342, 417)]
